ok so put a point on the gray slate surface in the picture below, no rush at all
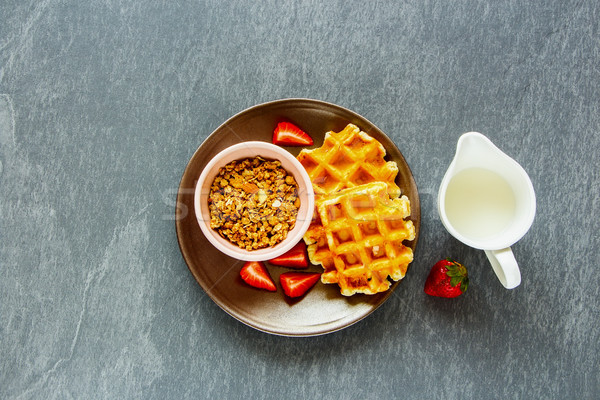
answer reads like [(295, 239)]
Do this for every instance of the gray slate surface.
[(102, 103)]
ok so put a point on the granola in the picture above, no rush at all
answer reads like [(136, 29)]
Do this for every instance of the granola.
[(253, 203)]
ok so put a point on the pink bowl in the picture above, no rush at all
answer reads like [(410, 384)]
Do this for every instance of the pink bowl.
[(249, 150)]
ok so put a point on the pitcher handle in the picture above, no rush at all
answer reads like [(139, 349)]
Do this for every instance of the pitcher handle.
[(505, 266)]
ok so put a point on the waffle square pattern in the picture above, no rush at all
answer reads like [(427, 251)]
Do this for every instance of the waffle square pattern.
[(364, 231), (360, 221), (346, 159)]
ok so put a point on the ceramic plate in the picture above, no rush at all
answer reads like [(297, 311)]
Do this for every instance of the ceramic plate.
[(321, 310)]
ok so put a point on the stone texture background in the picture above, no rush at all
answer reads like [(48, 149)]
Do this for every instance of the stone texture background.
[(102, 103)]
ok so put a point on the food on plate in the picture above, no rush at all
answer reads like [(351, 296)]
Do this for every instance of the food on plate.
[(360, 221), (346, 159), (255, 274), (364, 233), (294, 258), (288, 134), (253, 203), (296, 284), (447, 278)]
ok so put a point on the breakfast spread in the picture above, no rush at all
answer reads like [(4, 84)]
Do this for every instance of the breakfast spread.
[(253, 203), (360, 224), (358, 228)]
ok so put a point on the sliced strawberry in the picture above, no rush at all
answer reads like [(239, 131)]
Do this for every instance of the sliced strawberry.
[(288, 134), (294, 258), (295, 284), (254, 273)]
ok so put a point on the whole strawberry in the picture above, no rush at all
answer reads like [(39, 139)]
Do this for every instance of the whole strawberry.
[(447, 279)]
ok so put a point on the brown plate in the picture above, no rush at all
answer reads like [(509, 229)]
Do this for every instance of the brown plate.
[(321, 310)]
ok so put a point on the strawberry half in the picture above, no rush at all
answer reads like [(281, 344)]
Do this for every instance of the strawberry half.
[(295, 284), (447, 278), (255, 274), (294, 258), (288, 134)]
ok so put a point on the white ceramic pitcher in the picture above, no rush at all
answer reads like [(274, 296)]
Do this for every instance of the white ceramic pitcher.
[(486, 200)]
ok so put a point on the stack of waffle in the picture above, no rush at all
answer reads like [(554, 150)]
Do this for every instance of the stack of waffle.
[(359, 224)]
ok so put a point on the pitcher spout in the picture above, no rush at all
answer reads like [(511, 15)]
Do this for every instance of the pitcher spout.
[(473, 150)]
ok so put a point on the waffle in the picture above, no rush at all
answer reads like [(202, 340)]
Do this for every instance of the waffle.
[(363, 230), (350, 165), (347, 159)]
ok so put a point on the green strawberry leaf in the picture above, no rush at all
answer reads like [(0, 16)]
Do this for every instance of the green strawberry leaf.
[(458, 274), (455, 281)]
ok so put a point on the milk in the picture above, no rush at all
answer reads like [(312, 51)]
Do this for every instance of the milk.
[(479, 203)]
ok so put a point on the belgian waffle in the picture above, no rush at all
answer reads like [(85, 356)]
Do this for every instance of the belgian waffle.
[(362, 243), (353, 159), (346, 159)]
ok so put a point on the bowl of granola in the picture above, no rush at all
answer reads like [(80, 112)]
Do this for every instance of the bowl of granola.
[(254, 201)]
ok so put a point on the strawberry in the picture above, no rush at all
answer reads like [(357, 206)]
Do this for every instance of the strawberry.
[(447, 279), (294, 258), (288, 134), (295, 284), (255, 274)]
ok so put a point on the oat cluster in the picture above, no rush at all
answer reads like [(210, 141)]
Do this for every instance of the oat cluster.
[(253, 203)]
